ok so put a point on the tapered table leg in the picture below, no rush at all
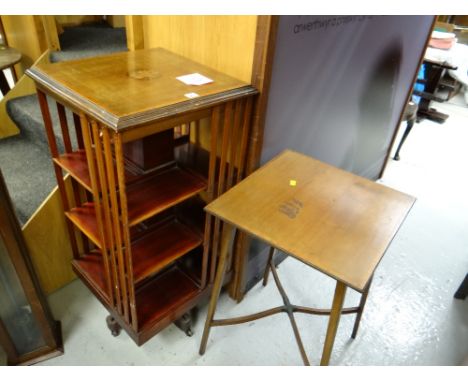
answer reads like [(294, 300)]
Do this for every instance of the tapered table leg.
[(362, 303), (337, 306), (267, 267), (218, 282)]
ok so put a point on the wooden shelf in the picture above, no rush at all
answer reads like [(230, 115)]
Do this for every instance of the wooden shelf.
[(161, 297), (156, 193), (90, 268), (76, 165), (153, 248), (160, 247), (84, 218)]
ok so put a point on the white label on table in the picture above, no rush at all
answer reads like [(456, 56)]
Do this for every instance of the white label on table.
[(192, 95), (194, 79)]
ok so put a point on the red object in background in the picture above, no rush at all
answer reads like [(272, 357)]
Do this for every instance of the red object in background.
[(442, 40)]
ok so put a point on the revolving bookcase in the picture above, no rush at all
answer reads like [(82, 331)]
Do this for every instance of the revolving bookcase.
[(148, 153)]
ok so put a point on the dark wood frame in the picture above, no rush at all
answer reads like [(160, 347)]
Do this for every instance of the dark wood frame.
[(265, 44), (11, 234)]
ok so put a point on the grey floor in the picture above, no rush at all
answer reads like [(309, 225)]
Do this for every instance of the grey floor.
[(411, 317)]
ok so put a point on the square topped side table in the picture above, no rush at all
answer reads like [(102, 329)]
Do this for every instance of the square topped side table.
[(329, 219)]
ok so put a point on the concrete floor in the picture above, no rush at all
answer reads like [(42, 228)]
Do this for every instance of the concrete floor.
[(411, 317)]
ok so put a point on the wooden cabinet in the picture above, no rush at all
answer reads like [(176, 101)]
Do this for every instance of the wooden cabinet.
[(28, 331), (148, 153)]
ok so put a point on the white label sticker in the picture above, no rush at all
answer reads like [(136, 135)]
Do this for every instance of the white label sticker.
[(194, 79), (192, 95)]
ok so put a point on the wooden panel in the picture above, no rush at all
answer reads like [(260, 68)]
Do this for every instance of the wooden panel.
[(151, 152), (47, 240), (134, 30), (73, 20), (51, 34), (330, 219), (24, 86), (116, 21), (224, 43)]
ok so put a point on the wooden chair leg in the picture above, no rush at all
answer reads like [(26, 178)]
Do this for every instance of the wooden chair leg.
[(362, 304), (333, 321), (267, 267), (218, 283)]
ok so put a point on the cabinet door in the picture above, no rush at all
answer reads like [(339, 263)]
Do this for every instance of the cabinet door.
[(28, 332)]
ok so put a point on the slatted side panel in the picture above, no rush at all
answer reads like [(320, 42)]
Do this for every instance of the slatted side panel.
[(58, 171), (105, 163), (126, 254), (96, 187), (107, 218), (115, 225), (230, 124), (78, 196)]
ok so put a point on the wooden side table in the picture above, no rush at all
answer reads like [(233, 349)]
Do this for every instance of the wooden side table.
[(8, 58), (329, 219)]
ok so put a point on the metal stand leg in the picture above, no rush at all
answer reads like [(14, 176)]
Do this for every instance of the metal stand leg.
[(362, 303), (338, 299), (267, 267), (218, 282), (462, 290), (409, 126)]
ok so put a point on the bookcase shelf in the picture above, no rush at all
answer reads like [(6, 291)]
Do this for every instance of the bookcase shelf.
[(154, 194), (76, 165)]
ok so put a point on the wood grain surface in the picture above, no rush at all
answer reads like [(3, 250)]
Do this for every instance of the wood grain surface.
[(129, 88), (332, 220), (8, 57)]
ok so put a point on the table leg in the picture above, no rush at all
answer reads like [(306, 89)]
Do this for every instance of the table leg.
[(4, 86), (409, 126), (462, 290), (218, 282), (337, 306), (362, 303), (267, 267)]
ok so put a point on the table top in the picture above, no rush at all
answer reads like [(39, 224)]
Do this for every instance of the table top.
[(8, 57), (129, 88), (330, 219)]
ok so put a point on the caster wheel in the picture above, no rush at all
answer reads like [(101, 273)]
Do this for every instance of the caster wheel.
[(185, 324), (113, 326)]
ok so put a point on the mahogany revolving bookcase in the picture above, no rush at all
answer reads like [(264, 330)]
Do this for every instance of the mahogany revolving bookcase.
[(148, 153)]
